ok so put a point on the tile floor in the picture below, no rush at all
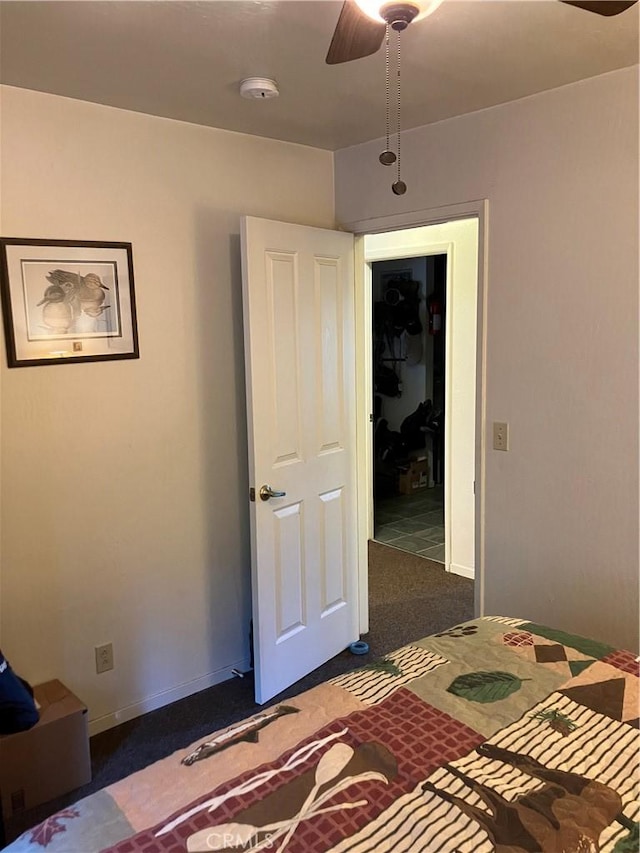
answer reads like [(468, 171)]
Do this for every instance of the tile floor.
[(413, 522)]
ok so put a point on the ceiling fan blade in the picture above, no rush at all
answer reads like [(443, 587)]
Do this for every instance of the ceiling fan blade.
[(355, 35), (602, 7)]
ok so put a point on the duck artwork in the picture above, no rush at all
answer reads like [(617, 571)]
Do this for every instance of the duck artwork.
[(73, 302)]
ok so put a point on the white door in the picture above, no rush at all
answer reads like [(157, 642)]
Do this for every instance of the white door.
[(298, 297)]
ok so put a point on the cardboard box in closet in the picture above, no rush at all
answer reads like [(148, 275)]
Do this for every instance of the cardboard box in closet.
[(415, 478), (50, 759)]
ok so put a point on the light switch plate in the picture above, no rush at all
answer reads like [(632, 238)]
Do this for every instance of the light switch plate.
[(500, 435)]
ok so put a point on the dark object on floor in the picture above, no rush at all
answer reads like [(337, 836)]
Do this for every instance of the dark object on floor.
[(389, 445), (413, 428), (434, 426), (18, 710)]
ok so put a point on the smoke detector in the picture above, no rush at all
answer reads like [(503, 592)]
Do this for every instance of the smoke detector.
[(259, 87)]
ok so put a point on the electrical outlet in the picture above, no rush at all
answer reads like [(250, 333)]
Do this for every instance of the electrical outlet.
[(104, 658), (500, 436)]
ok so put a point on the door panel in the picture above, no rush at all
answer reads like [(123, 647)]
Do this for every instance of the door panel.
[(289, 572), (283, 325), (333, 564), (298, 298), (328, 336)]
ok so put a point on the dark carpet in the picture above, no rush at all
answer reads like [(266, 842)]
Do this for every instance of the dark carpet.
[(409, 598)]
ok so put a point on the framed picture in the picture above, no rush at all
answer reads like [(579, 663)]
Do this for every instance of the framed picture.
[(66, 301)]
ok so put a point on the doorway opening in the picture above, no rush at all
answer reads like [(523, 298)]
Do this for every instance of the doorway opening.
[(451, 463), (409, 386)]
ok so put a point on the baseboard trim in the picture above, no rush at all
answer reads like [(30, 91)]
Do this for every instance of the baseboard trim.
[(166, 697), (464, 571)]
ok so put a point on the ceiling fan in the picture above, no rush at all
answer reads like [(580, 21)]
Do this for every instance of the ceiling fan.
[(362, 24)]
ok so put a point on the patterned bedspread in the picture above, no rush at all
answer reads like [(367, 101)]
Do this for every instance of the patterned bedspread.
[(497, 734)]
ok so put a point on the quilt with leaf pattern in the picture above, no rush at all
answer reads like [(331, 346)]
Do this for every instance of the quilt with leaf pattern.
[(496, 735)]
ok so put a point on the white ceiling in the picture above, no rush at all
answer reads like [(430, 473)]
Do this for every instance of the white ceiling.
[(185, 60)]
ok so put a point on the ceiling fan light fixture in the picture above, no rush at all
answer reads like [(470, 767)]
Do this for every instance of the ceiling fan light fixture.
[(386, 12)]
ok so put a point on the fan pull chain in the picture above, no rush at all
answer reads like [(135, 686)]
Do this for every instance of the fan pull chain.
[(399, 187), (387, 158)]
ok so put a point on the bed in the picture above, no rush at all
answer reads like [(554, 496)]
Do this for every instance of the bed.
[(497, 734)]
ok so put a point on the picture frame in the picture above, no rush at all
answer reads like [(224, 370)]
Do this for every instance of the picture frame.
[(66, 301)]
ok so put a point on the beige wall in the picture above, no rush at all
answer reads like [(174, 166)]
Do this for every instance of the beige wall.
[(124, 484), (560, 170)]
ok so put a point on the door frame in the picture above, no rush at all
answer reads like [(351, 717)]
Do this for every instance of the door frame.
[(478, 209)]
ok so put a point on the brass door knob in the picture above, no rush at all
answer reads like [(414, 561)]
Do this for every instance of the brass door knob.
[(267, 492)]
